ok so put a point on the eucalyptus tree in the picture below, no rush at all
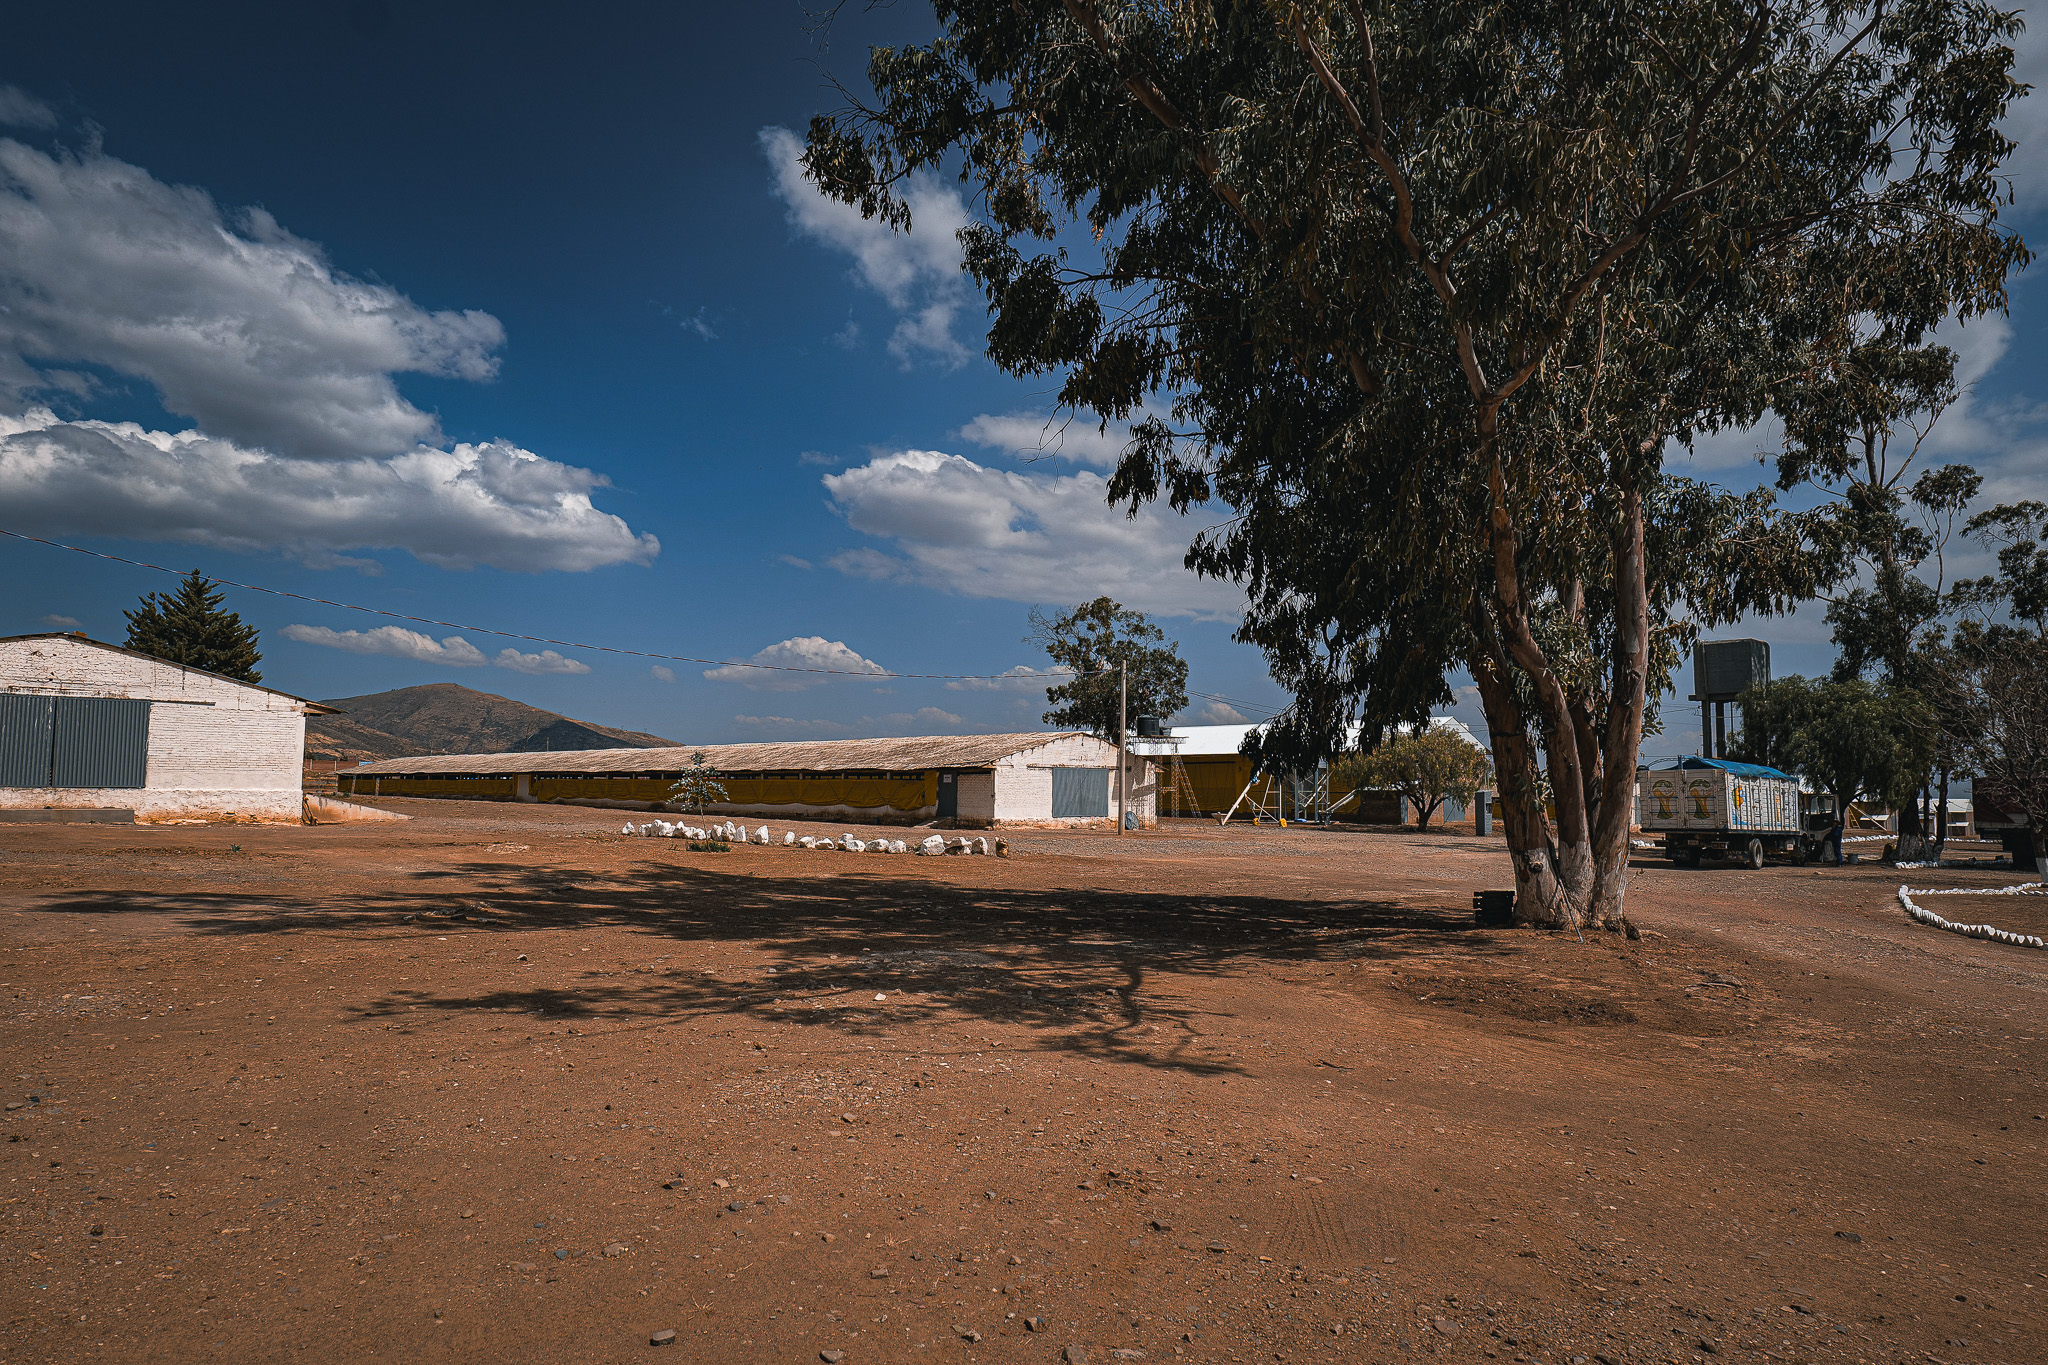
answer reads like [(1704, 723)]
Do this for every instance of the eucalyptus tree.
[(1123, 666), (1421, 293)]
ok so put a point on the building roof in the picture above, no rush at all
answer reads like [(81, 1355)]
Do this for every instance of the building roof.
[(824, 755), (313, 708)]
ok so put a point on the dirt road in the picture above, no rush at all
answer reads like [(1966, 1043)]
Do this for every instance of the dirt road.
[(1209, 1095)]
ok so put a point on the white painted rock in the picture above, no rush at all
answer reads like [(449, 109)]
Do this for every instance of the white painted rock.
[(957, 846), (932, 847), (788, 837), (808, 842), (761, 835), (980, 846)]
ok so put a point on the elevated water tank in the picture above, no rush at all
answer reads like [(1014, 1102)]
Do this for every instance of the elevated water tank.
[(1723, 670)]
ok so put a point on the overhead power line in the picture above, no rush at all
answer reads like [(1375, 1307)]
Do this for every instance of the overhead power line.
[(544, 639)]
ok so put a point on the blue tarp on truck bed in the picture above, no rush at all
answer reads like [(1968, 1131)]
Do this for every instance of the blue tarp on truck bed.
[(1729, 765)]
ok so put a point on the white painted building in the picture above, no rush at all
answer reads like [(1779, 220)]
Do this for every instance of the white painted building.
[(87, 725), (1061, 778)]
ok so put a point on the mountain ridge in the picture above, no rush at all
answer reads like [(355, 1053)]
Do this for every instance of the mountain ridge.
[(448, 718)]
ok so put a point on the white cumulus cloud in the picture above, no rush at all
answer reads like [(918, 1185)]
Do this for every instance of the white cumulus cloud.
[(1034, 436), (798, 652), (916, 272), (1022, 676), (453, 651), (240, 325), (19, 109), (490, 504), (547, 661), (1219, 713), (302, 441), (663, 673), (981, 532), (393, 641)]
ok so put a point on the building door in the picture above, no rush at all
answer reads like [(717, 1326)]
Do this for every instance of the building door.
[(949, 796)]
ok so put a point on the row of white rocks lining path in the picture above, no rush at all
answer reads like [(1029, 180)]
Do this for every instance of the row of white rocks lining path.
[(1985, 931), (934, 846)]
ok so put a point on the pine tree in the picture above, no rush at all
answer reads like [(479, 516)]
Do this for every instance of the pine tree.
[(188, 627)]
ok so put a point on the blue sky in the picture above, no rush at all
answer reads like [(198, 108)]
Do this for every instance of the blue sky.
[(482, 314)]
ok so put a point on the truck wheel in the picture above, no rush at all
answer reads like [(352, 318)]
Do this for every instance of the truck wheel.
[(1753, 855), (1687, 857)]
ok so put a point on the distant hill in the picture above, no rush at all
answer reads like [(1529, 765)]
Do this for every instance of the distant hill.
[(447, 718)]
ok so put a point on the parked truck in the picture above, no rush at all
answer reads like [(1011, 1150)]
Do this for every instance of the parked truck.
[(1715, 807)]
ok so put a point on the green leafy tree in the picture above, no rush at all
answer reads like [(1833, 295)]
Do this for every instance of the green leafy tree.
[(1994, 693), (2018, 533), (188, 627), (699, 784), (1092, 640), (1428, 767), (1421, 293), (1857, 417), (1998, 690), (1857, 740)]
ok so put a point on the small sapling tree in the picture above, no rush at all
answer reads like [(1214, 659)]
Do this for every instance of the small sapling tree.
[(699, 785)]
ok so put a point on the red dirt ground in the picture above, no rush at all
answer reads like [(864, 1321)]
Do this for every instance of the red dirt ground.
[(1208, 1095)]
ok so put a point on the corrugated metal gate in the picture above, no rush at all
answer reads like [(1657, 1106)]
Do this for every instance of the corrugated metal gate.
[(25, 740), (1080, 793), (100, 742), (73, 741)]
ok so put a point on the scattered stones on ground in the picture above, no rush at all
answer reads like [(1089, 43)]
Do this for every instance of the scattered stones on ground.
[(1074, 1354), (665, 1337)]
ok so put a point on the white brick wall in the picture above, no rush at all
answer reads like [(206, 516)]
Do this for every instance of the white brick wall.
[(238, 758), (1023, 782)]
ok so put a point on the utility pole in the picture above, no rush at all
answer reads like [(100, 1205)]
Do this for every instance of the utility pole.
[(1123, 757)]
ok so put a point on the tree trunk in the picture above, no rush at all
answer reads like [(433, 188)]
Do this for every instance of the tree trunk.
[(1628, 680), (1941, 819), (1571, 853), (1540, 898)]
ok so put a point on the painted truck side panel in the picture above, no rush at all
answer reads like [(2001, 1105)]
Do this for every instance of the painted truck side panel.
[(1710, 799)]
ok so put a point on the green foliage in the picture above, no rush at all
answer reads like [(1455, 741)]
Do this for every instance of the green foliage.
[(699, 784), (1997, 693), (1855, 739), (1421, 292), (188, 627), (2019, 533), (1427, 767), (1092, 640), (709, 846)]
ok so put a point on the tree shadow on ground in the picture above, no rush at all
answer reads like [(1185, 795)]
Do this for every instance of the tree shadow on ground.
[(862, 953)]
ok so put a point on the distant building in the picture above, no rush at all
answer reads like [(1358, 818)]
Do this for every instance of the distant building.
[(1216, 774), (88, 725), (975, 780)]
